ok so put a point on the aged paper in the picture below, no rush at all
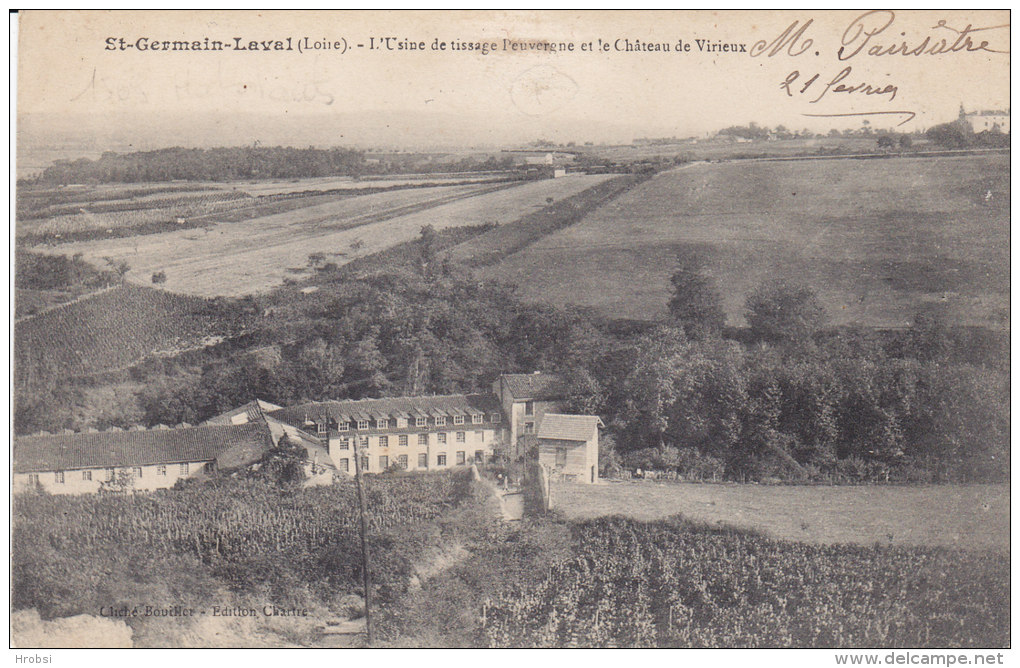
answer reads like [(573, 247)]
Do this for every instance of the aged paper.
[(353, 236)]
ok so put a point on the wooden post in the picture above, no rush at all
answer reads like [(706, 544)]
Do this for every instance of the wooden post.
[(365, 575)]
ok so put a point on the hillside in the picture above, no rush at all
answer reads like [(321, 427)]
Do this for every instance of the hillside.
[(111, 329), (878, 239)]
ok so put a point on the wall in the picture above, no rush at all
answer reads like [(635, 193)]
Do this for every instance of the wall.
[(581, 456), (488, 441), (519, 435), (75, 484)]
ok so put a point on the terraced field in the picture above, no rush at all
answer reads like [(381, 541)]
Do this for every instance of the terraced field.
[(248, 256), (878, 239)]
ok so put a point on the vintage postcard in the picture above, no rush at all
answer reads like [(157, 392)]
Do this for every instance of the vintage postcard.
[(512, 329)]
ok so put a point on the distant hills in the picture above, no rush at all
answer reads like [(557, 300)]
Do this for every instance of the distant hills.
[(42, 138)]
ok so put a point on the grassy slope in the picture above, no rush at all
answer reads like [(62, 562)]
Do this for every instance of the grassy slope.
[(878, 239), (967, 516)]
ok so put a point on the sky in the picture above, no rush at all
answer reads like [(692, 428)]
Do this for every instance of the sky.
[(71, 65)]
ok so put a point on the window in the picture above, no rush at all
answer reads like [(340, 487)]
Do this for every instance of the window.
[(184, 469), (110, 475), (402, 440), (384, 441), (33, 479), (477, 419), (529, 427), (382, 423), (138, 471), (401, 423), (364, 463), (161, 469), (344, 444), (441, 460), (495, 417), (344, 465), (343, 426), (423, 460), (479, 456), (362, 424), (458, 419), (480, 436), (364, 441), (86, 475), (421, 422), (423, 439), (441, 438), (461, 437), (460, 457), (384, 461), (402, 460), (322, 427), (561, 458), (529, 407), (210, 467), (59, 476), (441, 421)]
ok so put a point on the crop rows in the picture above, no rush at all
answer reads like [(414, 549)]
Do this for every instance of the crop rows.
[(168, 210), (109, 330), (670, 584), (68, 553)]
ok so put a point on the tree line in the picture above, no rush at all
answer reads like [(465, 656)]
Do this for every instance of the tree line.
[(789, 398), (251, 162)]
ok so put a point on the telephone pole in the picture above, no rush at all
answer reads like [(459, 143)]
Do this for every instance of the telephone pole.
[(365, 575)]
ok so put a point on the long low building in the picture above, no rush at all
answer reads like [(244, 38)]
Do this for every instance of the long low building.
[(413, 433), (84, 463), (420, 433)]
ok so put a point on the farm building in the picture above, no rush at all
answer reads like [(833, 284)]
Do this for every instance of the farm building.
[(249, 412), (413, 433), (568, 446), (526, 398), (420, 433), (82, 463)]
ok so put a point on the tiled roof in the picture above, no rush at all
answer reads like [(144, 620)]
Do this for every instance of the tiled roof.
[(253, 410), (536, 386), (449, 405), (569, 427), (231, 445)]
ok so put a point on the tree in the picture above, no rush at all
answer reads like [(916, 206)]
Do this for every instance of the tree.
[(886, 141), (695, 304), (906, 141), (780, 312), (159, 277), (428, 249), (283, 464), (951, 135)]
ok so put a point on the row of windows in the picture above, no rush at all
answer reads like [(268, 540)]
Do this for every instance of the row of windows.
[(402, 423), (111, 474), (403, 439), (423, 460)]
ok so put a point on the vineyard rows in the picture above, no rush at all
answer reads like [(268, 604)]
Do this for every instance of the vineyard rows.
[(168, 210), (108, 330), (670, 584), (237, 529)]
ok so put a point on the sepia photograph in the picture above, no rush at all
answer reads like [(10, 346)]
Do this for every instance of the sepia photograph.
[(511, 329)]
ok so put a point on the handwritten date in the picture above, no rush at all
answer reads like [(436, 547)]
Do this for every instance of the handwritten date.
[(837, 84)]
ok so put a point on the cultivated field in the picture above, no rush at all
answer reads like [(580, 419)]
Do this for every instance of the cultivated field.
[(109, 329), (257, 254), (962, 516), (878, 239), (328, 183)]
